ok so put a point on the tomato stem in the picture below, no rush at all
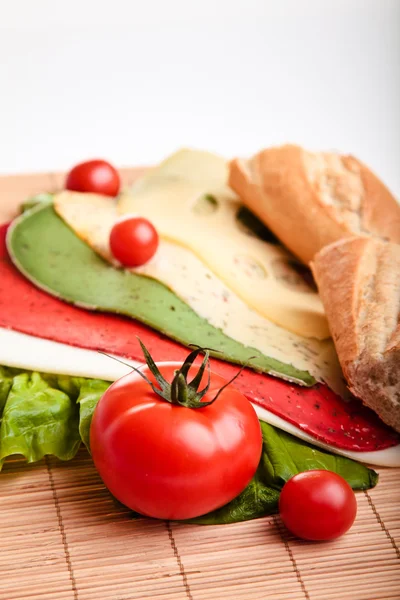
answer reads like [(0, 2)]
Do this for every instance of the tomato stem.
[(180, 391)]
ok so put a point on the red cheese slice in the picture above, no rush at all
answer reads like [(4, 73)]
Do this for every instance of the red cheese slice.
[(318, 411)]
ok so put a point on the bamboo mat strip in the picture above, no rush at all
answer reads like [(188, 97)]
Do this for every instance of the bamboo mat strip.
[(33, 551), (385, 503), (63, 537)]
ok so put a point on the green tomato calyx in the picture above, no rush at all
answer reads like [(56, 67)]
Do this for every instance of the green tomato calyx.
[(181, 391)]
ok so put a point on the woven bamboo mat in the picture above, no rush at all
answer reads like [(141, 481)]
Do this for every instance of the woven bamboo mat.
[(63, 537)]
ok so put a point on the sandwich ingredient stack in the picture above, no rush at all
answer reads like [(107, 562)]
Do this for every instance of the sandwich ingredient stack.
[(190, 188)]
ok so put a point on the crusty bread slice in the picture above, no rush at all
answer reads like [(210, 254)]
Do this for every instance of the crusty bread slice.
[(310, 200), (359, 282)]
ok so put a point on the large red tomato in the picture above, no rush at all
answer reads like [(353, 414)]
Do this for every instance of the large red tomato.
[(318, 505), (170, 461), (94, 176)]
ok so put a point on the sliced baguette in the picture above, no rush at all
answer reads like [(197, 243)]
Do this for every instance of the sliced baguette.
[(359, 282), (310, 200)]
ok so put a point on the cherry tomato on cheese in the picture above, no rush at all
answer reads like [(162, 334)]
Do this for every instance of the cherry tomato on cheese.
[(168, 460), (317, 505), (94, 176), (133, 241)]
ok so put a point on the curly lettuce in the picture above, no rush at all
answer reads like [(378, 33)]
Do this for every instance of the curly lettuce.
[(45, 414), (38, 420)]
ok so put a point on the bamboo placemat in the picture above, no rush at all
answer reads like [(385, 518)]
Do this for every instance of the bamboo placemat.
[(63, 537)]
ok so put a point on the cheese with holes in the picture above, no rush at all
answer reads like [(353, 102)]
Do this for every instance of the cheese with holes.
[(258, 272), (92, 218)]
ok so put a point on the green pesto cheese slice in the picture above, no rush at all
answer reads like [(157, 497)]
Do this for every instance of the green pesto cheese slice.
[(50, 255)]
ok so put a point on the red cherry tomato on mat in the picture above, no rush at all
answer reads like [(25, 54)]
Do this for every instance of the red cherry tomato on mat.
[(170, 461), (94, 176), (317, 505), (133, 241)]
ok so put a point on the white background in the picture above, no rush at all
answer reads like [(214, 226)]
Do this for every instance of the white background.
[(132, 81)]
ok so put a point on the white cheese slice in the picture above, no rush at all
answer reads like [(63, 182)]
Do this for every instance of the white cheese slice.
[(29, 352), (172, 197), (92, 218), (36, 354)]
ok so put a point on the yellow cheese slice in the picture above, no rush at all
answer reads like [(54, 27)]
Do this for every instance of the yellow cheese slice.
[(92, 218), (188, 201)]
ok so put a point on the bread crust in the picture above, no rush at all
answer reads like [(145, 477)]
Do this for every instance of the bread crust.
[(358, 280), (310, 200)]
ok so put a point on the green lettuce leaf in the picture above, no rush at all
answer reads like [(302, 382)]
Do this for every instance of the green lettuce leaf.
[(7, 375), (38, 419), (42, 413), (90, 393)]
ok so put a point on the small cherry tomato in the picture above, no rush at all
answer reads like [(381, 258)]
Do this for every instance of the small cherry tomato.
[(317, 505), (179, 449), (94, 176), (133, 241)]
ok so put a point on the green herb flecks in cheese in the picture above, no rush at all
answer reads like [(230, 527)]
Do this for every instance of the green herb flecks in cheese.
[(169, 196), (92, 217)]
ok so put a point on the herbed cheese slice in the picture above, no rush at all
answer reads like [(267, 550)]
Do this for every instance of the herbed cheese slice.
[(173, 197), (91, 217)]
